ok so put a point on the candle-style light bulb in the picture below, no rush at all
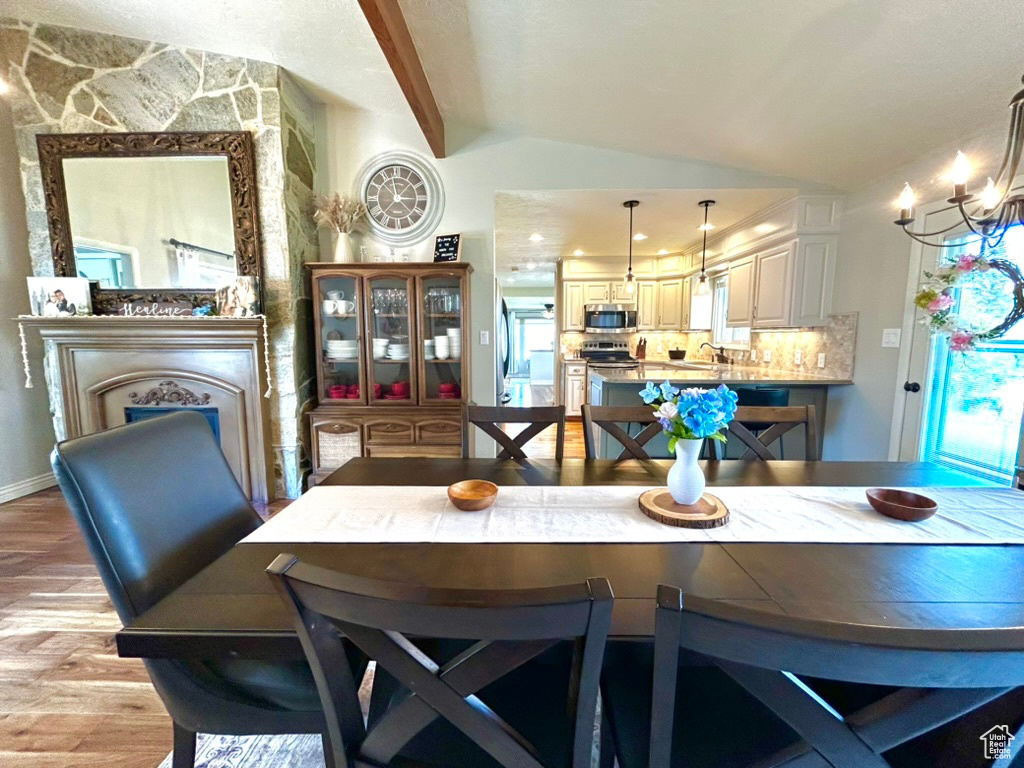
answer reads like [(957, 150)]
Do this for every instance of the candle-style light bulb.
[(990, 196), (959, 174), (906, 200), (630, 283), (703, 289)]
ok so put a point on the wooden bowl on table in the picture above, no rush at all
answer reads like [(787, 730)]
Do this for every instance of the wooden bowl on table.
[(472, 495), (902, 505)]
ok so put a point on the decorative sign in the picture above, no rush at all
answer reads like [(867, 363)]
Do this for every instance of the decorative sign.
[(155, 309), (447, 247)]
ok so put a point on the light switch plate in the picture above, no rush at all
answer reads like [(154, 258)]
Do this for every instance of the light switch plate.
[(821, 360), (485, 338), (753, 355), (891, 338), (767, 355), (798, 357)]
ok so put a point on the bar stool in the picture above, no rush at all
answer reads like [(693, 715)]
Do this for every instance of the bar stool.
[(768, 398)]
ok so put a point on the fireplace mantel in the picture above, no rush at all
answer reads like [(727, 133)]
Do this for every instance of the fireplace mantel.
[(102, 371)]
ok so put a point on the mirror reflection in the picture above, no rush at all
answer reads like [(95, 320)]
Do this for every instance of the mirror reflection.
[(151, 222)]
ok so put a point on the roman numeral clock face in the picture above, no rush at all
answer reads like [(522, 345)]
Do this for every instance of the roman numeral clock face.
[(403, 196), (396, 197)]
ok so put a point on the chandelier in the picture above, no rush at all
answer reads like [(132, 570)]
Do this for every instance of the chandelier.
[(630, 281), (989, 214)]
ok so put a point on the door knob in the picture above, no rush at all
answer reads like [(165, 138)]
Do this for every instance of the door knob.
[(911, 386)]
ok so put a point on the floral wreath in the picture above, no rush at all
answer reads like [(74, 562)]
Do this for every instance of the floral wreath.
[(936, 299)]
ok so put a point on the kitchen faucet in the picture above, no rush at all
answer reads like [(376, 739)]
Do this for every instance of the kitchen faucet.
[(719, 352)]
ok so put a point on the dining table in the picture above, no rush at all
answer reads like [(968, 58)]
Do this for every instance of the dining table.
[(230, 609)]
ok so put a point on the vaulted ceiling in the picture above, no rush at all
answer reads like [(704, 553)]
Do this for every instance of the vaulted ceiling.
[(835, 91)]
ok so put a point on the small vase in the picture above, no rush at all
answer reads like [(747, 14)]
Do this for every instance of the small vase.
[(685, 479), (343, 250)]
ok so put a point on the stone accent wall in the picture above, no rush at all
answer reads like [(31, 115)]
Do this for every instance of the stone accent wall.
[(66, 80)]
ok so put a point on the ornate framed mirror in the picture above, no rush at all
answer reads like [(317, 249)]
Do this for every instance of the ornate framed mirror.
[(163, 218)]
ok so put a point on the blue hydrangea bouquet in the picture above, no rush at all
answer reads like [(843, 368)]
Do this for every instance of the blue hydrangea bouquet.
[(691, 414)]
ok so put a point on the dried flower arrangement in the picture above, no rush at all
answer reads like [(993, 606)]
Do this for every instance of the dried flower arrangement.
[(337, 213)]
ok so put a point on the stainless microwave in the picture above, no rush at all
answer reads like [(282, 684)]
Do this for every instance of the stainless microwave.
[(609, 318)]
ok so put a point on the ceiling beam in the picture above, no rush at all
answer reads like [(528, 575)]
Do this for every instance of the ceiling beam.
[(392, 33)]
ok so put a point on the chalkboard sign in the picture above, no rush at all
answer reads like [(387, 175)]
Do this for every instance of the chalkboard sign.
[(447, 247)]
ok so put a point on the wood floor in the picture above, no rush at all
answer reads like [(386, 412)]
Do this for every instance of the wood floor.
[(66, 699), (543, 445)]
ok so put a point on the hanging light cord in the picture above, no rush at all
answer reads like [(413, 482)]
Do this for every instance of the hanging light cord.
[(704, 250), (629, 268)]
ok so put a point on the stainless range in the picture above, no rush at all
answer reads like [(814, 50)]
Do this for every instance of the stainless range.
[(608, 354)]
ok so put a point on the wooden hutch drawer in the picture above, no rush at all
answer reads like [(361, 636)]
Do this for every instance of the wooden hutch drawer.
[(439, 431), (334, 441), (389, 431)]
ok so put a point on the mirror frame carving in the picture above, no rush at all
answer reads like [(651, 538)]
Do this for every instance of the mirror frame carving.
[(236, 146)]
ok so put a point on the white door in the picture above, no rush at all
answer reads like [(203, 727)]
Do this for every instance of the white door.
[(741, 293), (670, 300), (773, 280), (596, 293), (966, 411), (572, 318), (646, 305)]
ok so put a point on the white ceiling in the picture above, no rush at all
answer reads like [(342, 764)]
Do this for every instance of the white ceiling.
[(595, 222), (835, 91)]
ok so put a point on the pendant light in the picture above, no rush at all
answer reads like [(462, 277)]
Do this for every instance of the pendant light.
[(703, 289), (629, 282)]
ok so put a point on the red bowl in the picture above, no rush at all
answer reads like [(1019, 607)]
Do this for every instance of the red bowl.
[(448, 395), (446, 387), (353, 397), (396, 397)]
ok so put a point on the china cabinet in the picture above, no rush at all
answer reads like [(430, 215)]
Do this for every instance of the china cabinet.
[(392, 360)]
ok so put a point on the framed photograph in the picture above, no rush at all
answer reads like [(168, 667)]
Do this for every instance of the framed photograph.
[(239, 298), (59, 296), (447, 248)]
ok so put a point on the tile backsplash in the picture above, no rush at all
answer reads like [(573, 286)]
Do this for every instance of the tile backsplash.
[(837, 341)]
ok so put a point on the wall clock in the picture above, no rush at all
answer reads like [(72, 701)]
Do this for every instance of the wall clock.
[(403, 196)]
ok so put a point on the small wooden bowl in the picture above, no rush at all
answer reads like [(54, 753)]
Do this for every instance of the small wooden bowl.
[(472, 495), (902, 505)]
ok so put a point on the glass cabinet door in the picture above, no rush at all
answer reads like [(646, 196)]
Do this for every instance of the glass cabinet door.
[(390, 346), (339, 339), (441, 304)]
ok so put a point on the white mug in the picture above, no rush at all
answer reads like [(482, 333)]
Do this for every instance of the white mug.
[(329, 307), (335, 295), (346, 306)]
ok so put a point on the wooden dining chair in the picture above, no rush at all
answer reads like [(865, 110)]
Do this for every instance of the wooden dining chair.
[(915, 681), (609, 417), (488, 419), (776, 422), (442, 712)]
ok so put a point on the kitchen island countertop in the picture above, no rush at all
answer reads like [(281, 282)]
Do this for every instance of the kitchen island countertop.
[(659, 371)]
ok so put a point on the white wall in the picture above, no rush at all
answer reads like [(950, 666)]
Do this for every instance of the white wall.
[(485, 163), (872, 276), (24, 416)]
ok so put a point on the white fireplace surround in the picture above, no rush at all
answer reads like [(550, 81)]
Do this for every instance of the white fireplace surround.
[(97, 367)]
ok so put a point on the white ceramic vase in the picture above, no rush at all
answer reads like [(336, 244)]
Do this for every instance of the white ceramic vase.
[(685, 479), (344, 252)]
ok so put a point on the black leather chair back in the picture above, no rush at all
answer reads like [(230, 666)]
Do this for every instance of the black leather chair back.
[(156, 502)]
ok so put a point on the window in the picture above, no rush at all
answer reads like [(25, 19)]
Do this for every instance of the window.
[(721, 333)]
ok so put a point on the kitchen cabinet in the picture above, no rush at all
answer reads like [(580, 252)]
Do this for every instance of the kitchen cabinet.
[(575, 388), (670, 305), (740, 309), (773, 285), (597, 293), (686, 296), (646, 305), (572, 306), (619, 295)]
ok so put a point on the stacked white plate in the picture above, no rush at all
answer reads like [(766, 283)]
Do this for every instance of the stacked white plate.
[(398, 351), (341, 349), (380, 348), (455, 343), (441, 348)]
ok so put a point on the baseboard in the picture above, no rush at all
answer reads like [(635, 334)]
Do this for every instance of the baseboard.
[(25, 487)]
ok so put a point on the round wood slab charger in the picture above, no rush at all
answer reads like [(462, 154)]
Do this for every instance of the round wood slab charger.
[(708, 512)]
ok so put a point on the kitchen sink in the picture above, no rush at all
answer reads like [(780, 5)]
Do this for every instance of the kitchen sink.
[(698, 366)]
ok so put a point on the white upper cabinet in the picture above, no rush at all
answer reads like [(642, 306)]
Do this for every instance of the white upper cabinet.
[(646, 305), (684, 313), (741, 293), (572, 306), (812, 283), (670, 305), (596, 293), (773, 286), (619, 295)]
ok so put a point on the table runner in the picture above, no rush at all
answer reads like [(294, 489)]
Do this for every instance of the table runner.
[(603, 514)]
